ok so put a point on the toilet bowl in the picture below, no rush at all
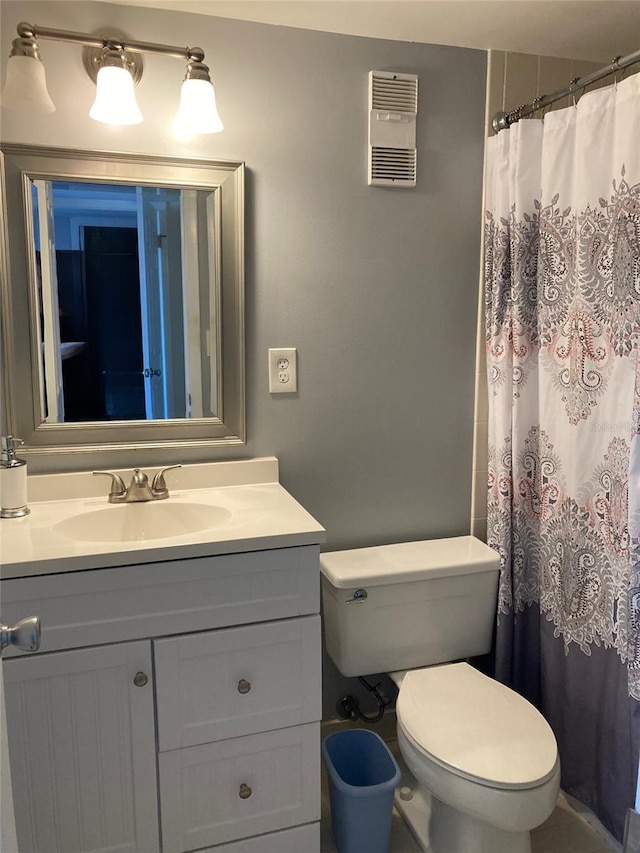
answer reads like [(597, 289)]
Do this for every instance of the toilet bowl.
[(486, 757), (484, 760)]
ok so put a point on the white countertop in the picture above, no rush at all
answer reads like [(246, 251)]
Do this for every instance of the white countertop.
[(261, 515)]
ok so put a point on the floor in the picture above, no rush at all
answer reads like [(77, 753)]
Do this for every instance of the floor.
[(564, 832)]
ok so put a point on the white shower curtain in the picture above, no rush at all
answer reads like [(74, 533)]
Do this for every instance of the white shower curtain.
[(562, 265)]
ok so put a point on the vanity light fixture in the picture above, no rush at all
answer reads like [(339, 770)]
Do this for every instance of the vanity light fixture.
[(197, 112), (115, 65), (115, 101), (26, 86)]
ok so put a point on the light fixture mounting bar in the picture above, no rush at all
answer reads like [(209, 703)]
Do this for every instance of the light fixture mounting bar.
[(26, 30)]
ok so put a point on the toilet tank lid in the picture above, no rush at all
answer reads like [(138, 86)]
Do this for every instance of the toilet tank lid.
[(408, 561)]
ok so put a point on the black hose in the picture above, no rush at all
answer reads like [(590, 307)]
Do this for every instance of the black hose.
[(350, 707)]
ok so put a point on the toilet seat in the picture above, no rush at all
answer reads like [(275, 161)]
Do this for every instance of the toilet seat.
[(476, 727)]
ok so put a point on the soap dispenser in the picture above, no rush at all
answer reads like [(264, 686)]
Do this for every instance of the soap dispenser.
[(13, 480)]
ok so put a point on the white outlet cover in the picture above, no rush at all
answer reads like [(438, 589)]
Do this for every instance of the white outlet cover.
[(283, 380)]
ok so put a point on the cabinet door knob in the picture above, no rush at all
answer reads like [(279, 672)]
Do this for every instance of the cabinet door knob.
[(140, 679), (244, 686), (245, 792), (24, 636)]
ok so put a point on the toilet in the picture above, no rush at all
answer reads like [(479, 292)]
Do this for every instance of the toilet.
[(484, 761)]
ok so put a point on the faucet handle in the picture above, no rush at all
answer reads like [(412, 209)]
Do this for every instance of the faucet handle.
[(159, 485), (118, 488), (139, 478)]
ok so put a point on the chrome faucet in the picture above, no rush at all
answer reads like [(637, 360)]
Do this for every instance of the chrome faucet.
[(139, 489)]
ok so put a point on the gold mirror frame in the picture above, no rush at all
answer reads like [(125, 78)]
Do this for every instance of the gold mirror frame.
[(20, 164)]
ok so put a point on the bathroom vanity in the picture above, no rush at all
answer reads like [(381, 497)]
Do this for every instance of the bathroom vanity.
[(175, 700)]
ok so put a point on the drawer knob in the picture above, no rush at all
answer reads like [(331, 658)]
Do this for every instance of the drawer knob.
[(244, 686), (245, 792), (140, 679)]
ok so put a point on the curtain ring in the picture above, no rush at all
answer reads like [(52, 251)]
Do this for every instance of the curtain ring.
[(615, 68), (519, 110), (573, 94), (536, 106)]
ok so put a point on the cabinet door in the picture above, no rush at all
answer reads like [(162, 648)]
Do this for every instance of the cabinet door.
[(82, 750)]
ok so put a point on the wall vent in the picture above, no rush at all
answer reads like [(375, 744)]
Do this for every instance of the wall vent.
[(393, 107)]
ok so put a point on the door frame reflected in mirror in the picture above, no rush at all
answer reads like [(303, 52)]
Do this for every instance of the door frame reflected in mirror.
[(22, 373)]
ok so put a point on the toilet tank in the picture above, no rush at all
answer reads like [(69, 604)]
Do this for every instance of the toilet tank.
[(408, 605)]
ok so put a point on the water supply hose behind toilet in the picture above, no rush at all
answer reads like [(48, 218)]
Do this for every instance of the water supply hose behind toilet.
[(348, 707)]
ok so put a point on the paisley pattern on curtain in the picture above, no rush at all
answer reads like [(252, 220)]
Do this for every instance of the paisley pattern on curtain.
[(562, 272), (634, 548)]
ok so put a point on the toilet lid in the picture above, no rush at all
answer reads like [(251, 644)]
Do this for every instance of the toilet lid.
[(476, 727)]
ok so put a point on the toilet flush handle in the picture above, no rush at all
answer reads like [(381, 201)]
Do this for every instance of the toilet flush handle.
[(359, 596)]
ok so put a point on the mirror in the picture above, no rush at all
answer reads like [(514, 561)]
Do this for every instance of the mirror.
[(123, 299), (127, 304)]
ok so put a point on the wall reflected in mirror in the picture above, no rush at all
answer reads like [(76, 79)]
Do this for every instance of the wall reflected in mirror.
[(128, 301)]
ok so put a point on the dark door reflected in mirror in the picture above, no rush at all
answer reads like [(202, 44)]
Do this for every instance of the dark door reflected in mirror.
[(114, 364), (126, 315)]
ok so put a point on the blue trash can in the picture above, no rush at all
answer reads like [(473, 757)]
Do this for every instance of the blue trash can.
[(362, 776)]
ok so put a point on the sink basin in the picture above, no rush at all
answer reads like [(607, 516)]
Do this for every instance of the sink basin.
[(139, 522)]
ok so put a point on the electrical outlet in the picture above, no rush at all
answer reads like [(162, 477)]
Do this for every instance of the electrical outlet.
[(283, 373)]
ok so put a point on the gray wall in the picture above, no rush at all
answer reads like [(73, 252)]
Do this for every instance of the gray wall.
[(376, 287)]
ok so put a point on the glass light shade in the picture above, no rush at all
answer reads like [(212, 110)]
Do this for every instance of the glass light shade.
[(115, 101), (197, 112), (26, 87)]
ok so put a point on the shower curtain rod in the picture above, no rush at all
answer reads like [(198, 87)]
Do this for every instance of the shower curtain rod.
[(501, 121)]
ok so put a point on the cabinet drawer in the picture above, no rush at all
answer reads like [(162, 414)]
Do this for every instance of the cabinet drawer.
[(131, 602), (300, 839), (227, 683), (218, 792)]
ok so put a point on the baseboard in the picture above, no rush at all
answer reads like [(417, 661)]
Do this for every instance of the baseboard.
[(631, 843), (386, 727), (594, 822)]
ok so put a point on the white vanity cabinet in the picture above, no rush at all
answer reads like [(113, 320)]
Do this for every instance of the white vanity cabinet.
[(172, 706)]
